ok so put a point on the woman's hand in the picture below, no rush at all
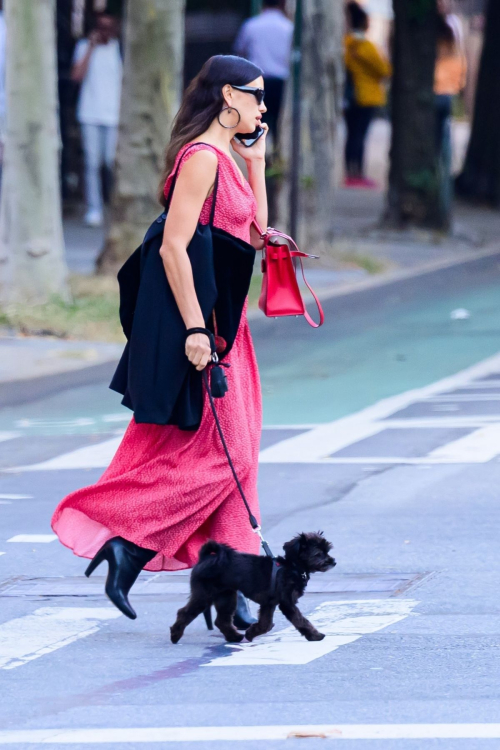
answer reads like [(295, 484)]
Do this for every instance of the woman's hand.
[(257, 152), (198, 350)]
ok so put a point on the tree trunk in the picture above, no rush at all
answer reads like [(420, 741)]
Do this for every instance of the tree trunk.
[(415, 180), (480, 178), (32, 263), (152, 85), (321, 93)]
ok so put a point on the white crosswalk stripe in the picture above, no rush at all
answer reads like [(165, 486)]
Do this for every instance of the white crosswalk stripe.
[(33, 538), (46, 630), (342, 622), (320, 443), (139, 735)]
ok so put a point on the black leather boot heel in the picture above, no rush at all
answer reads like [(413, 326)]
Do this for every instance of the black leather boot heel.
[(125, 562), (242, 617), (207, 614)]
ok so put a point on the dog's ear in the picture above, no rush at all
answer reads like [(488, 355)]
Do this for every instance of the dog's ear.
[(292, 548)]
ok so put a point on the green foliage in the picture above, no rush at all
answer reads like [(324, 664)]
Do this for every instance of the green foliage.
[(370, 264), (423, 180), (91, 315), (419, 10), (255, 287), (307, 182)]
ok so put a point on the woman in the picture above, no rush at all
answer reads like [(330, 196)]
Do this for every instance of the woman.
[(366, 70), (168, 490)]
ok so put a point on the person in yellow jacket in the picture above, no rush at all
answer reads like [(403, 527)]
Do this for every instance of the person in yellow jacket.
[(366, 71)]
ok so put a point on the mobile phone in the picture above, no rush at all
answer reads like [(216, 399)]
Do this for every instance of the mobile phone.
[(248, 139)]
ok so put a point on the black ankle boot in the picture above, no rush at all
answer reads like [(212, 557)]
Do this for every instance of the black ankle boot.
[(207, 614), (125, 562), (242, 617)]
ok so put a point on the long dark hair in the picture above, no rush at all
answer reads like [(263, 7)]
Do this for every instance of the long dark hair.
[(445, 34), (202, 101), (358, 17)]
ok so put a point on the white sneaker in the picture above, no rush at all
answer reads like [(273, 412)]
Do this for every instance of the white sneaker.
[(93, 218)]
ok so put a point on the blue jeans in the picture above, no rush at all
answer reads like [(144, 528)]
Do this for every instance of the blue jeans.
[(99, 147)]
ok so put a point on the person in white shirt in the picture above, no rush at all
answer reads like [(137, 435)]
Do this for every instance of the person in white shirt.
[(2, 85), (266, 40), (97, 65)]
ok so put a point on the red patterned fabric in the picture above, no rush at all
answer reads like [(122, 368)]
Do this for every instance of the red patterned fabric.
[(170, 490)]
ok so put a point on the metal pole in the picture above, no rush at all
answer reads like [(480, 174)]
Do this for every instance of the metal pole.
[(295, 153)]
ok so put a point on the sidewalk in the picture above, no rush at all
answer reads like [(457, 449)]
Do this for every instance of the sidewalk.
[(366, 256), (28, 357), (362, 249)]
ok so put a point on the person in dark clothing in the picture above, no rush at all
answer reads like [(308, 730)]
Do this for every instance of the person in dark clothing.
[(266, 41), (366, 70)]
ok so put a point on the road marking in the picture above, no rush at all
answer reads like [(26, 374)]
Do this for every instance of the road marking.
[(304, 426), (77, 422), (459, 397), (2, 553), (16, 497), (479, 446), (343, 622), (317, 445), (462, 420), (483, 384), (32, 538), (96, 456), (395, 460), (8, 436), (247, 733), (117, 417), (46, 630)]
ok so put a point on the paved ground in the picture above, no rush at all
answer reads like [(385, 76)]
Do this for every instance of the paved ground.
[(383, 429), (360, 245)]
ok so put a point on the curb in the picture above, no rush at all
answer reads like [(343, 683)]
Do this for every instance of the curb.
[(391, 278), (13, 393)]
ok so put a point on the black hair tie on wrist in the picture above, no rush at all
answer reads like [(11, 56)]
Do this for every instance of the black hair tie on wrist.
[(207, 331), (218, 380)]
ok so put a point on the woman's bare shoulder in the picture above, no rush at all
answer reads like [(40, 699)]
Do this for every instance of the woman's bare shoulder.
[(200, 164)]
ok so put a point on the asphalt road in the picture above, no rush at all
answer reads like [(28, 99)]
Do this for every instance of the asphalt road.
[(393, 453)]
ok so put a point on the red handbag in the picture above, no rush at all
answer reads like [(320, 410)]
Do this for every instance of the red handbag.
[(280, 294)]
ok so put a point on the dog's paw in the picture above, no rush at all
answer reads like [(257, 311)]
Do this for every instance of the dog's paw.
[(175, 635), (236, 638), (315, 636), (249, 635)]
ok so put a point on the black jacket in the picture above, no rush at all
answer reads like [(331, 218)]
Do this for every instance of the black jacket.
[(154, 374)]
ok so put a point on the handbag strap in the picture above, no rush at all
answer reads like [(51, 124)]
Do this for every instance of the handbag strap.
[(271, 232), (174, 180)]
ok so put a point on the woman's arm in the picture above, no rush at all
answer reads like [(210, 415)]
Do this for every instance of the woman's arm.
[(255, 159), (79, 68), (193, 184)]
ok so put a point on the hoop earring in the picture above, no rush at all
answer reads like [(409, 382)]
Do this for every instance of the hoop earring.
[(229, 110)]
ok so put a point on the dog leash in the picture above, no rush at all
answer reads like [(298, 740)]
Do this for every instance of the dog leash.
[(253, 521), (256, 528)]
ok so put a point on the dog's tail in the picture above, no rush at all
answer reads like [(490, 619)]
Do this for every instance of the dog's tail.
[(213, 557)]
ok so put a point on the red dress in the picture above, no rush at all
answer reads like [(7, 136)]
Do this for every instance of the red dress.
[(168, 489)]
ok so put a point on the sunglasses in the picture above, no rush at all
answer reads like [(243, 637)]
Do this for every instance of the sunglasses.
[(258, 93)]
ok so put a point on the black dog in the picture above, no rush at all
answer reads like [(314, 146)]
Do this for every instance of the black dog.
[(221, 571)]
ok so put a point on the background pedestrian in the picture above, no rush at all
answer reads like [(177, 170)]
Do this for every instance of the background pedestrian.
[(97, 64), (366, 70), (266, 40)]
